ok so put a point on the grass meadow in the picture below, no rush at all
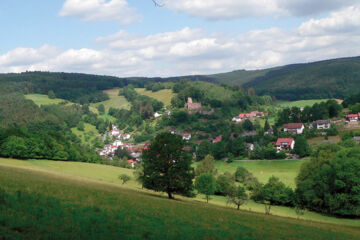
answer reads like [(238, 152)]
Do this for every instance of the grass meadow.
[(301, 103), (40, 204), (164, 95), (41, 99), (108, 175), (115, 100)]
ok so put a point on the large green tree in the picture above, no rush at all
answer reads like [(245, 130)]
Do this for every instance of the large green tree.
[(207, 165), (167, 167), (330, 183), (205, 184)]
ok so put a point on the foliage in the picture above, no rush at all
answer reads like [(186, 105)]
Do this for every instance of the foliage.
[(276, 193), (51, 94), (124, 178), (330, 182), (205, 184), (203, 150), (223, 183), (207, 165), (318, 111), (301, 148), (242, 175), (237, 195), (167, 167)]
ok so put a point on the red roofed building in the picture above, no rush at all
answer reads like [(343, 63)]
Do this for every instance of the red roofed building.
[(186, 148), (296, 128), (285, 144), (186, 136), (218, 139), (132, 162), (353, 117)]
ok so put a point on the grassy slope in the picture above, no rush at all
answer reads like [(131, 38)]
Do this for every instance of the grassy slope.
[(109, 175), (115, 100), (164, 95), (89, 130), (40, 99), (147, 215), (214, 91), (300, 103)]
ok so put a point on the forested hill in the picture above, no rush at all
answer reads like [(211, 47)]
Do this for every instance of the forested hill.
[(336, 78)]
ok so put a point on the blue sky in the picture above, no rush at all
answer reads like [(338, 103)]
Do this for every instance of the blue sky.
[(135, 38)]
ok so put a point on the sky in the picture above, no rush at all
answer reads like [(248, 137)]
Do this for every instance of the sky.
[(182, 37)]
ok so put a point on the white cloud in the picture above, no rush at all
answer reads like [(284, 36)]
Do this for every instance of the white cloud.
[(101, 10), (230, 9), (194, 51), (346, 20)]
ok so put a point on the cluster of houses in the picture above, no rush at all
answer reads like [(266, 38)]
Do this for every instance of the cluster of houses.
[(251, 115)]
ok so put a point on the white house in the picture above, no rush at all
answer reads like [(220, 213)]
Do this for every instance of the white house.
[(156, 115), (237, 119), (115, 132), (285, 144), (186, 136), (322, 124), (296, 128), (117, 143), (126, 136)]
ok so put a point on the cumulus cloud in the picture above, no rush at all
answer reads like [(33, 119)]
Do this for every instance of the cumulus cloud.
[(230, 9), (195, 51), (100, 10)]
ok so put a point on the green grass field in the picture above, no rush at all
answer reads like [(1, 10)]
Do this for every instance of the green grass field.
[(115, 100), (41, 99), (214, 91), (164, 95), (90, 133), (301, 103), (95, 173), (285, 170), (104, 207)]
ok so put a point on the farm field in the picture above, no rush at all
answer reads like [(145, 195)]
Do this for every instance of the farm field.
[(115, 100), (95, 173), (301, 103), (41, 99), (164, 95), (120, 212)]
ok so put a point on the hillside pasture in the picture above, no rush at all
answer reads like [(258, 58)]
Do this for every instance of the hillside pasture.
[(164, 95), (214, 91), (41, 99), (115, 101), (91, 209), (88, 135), (95, 173), (300, 103)]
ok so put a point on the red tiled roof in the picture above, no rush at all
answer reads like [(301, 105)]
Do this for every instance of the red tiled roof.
[(293, 125), (284, 140), (186, 134), (355, 115), (218, 139), (132, 161)]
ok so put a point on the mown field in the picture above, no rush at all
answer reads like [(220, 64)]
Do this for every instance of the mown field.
[(115, 100), (41, 99), (164, 95), (39, 204), (109, 175), (301, 103)]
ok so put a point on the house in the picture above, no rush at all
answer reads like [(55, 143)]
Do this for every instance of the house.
[(168, 112), (217, 139), (156, 115), (186, 136), (187, 148), (295, 128), (356, 139), (115, 132), (285, 144), (126, 136), (353, 117), (270, 131), (321, 124), (237, 119), (118, 143), (191, 106), (132, 162)]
